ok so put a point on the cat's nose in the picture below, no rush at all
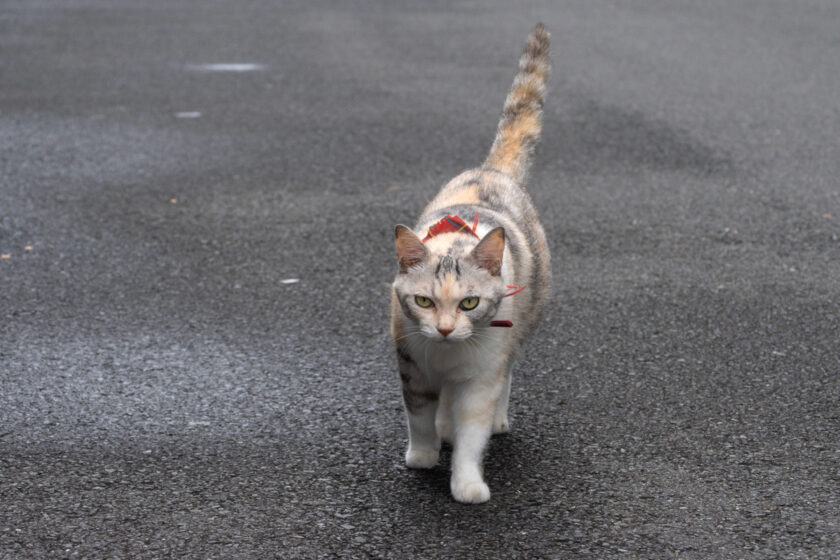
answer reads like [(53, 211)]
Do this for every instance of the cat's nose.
[(444, 332)]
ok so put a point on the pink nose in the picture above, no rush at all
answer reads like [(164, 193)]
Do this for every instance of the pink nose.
[(444, 332)]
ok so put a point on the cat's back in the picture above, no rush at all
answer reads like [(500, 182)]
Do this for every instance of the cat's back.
[(484, 189)]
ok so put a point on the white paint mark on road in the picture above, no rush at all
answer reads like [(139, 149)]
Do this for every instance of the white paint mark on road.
[(290, 281), (188, 115), (227, 67)]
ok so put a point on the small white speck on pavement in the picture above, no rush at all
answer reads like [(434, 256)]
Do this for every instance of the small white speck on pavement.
[(227, 67)]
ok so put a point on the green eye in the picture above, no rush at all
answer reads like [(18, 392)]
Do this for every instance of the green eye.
[(468, 303), (423, 301)]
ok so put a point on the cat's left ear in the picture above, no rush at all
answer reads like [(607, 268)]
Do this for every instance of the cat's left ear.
[(488, 253), (410, 250)]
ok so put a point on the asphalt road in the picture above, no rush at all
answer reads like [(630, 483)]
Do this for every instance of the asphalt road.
[(164, 393)]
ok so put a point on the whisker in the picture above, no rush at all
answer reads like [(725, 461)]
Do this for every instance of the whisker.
[(405, 336), (473, 346)]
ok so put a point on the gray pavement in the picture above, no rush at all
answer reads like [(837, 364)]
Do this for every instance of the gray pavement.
[(163, 393)]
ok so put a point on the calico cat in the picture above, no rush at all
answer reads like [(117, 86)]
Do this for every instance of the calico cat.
[(473, 277)]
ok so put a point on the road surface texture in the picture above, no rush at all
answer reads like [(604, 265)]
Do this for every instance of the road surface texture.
[(194, 349)]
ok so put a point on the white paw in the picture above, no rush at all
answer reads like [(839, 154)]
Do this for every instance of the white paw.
[(421, 458), (501, 426), (470, 492)]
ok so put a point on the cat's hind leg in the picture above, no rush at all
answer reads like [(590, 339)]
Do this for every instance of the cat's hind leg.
[(443, 420), (501, 424)]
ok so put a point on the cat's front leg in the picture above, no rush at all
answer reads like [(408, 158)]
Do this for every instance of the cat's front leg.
[(423, 442), (473, 407), (421, 403)]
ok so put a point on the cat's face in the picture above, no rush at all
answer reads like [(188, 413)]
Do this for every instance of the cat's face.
[(448, 291)]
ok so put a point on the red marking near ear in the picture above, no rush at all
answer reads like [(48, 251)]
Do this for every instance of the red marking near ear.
[(516, 289)]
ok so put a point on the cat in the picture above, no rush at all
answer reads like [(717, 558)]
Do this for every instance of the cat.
[(466, 295)]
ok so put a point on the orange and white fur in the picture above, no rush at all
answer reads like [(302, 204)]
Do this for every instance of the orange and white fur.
[(455, 367)]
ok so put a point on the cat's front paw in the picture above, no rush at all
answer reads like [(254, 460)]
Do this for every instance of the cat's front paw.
[(470, 492), (421, 458)]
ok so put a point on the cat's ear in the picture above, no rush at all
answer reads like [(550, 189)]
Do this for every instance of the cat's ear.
[(488, 253), (410, 250)]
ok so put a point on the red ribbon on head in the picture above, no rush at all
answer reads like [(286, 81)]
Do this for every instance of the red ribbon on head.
[(449, 224)]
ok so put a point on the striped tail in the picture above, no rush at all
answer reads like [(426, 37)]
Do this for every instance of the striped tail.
[(521, 123)]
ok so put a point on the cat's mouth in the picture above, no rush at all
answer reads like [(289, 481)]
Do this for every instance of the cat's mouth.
[(449, 339), (452, 340)]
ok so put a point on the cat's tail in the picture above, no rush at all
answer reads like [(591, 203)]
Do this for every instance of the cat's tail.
[(521, 122)]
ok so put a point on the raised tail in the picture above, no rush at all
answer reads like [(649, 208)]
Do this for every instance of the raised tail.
[(521, 122)]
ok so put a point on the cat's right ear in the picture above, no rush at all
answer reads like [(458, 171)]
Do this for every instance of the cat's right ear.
[(410, 250)]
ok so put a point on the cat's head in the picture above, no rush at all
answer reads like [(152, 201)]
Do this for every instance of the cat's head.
[(450, 286)]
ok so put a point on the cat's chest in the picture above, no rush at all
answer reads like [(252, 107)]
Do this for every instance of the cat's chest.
[(457, 361)]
